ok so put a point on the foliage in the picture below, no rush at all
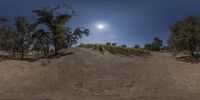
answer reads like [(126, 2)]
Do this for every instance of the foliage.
[(155, 46), (117, 49), (137, 46), (114, 44), (124, 45), (185, 35), (164, 48), (78, 33), (61, 35), (48, 31), (108, 44), (8, 38), (149, 47), (41, 41), (23, 30)]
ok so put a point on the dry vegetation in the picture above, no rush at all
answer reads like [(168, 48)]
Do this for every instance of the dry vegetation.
[(117, 49)]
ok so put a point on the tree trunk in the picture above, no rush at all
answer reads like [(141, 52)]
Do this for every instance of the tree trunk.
[(70, 46), (22, 55), (192, 53), (55, 49), (45, 53), (37, 53), (44, 50)]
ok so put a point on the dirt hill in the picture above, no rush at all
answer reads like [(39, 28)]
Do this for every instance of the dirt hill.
[(85, 74)]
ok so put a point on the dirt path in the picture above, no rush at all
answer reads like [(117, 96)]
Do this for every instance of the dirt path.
[(90, 75), (157, 78)]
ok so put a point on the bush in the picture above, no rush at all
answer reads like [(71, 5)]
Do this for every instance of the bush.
[(108, 43), (114, 44), (137, 46), (125, 46)]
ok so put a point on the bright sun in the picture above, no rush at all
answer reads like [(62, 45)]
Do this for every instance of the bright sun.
[(101, 26)]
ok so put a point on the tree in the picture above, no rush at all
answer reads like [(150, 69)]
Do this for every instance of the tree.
[(125, 46), (157, 44), (41, 41), (71, 39), (55, 20), (23, 30), (149, 47), (114, 44), (137, 46), (7, 36), (164, 48), (108, 44), (185, 35)]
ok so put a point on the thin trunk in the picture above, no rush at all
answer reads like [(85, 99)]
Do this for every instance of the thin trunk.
[(55, 48), (44, 50), (47, 50), (192, 53), (37, 52), (71, 45), (22, 56)]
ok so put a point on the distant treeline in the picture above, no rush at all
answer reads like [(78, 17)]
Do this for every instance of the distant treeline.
[(114, 49), (23, 36), (184, 38), (157, 45)]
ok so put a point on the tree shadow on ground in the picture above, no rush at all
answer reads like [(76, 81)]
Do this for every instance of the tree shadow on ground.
[(33, 59), (190, 59), (59, 55)]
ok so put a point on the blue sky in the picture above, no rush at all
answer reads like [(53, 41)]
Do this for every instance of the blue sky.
[(129, 21)]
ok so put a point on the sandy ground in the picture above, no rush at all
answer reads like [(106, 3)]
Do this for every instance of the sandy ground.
[(91, 75)]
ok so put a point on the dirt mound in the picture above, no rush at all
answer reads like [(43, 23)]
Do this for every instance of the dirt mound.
[(86, 74), (74, 71)]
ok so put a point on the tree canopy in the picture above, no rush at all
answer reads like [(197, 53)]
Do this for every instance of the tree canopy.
[(23, 37), (61, 34), (185, 35), (137, 46), (155, 46)]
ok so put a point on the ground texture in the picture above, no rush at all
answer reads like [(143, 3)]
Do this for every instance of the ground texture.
[(86, 74)]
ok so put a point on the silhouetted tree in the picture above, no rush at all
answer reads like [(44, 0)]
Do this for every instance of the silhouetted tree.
[(149, 47), (108, 44), (41, 41), (7, 36), (164, 48), (71, 39), (23, 30), (157, 44), (56, 22), (114, 44), (124, 46), (137, 46)]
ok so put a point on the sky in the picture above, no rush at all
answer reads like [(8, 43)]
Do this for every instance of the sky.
[(127, 22)]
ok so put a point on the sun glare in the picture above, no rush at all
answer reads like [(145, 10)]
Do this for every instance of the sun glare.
[(101, 26)]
